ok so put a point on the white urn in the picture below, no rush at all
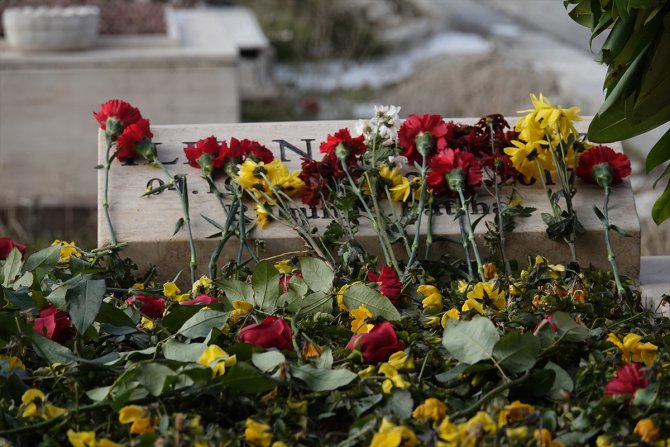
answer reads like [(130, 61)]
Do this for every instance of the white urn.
[(51, 28)]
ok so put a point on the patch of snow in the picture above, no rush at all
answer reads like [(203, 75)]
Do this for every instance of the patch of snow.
[(376, 73)]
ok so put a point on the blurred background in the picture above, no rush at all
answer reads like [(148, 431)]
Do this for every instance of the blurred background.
[(183, 62)]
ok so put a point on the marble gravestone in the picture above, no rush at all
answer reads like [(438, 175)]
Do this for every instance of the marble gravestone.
[(147, 223)]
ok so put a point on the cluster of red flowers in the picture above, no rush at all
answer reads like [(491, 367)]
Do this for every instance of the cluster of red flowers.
[(450, 147), (124, 124), (208, 154)]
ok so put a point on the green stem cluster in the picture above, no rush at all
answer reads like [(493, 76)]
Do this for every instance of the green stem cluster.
[(471, 233), (422, 204)]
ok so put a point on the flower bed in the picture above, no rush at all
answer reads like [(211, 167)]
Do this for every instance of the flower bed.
[(332, 346)]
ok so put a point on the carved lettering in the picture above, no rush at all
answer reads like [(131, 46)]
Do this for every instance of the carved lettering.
[(283, 145)]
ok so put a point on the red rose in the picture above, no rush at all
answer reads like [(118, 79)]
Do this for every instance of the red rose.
[(6, 246), (450, 162), (137, 135), (419, 126), (205, 300), (600, 158), (389, 283), (114, 116), (273, 332), (378, 344), (54, 324), (354, 146), (207, 145), (627, 380), (150, 306)]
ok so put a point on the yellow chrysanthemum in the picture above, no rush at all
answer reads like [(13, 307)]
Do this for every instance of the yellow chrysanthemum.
[(367, 372), (67, 250), (391, 435), (451, 313), (171, 291), (138, 417), (291, 184), (285, 267), (402, 361), (202, 285), (262, 217), (514, 412), (432, 409), (490, 294), (526, 155), (406, 189), (81, 438), (556, 119), (257, 433), (393, 378), (632, 350), (450, 434), (432, 298), (544, 438), (647, 430), (392, 176), (240, 310), (358, 324), (36, 405), (13, 362), (217, 359)]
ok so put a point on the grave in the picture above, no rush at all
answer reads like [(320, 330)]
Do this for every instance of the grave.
[(147, 223)]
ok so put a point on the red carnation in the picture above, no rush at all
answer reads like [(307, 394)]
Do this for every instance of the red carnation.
[(378, 344), (149, 306), (273, 332), (136, 138), (237, 151), (451, 162), (114, 116), (342, 138), (204, 300), (389, 283), (207, 146), (602, 165), (54, 324), (627, 380), (420, 126), (320, 175), (6, 246)]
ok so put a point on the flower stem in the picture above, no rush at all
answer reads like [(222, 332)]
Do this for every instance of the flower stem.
[(382, 227), (429, 230), (422, 204), (540, 173), (501, 227), (374, 223), (471, 234), (396, 222), (562, 171), (182, 189), (105, 200), (466, 246), (610, 252)]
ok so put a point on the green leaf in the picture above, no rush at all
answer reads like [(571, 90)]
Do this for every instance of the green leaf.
[(43, 260), (562, 381), (267, 361), (50, 350), (322, 379), (237, 290), (178, 316), (178, 226), (265, 282), (154, 377), (110, 314), (541, 381), (517, 352), (658, 154), (315, 302), (99, 394), (568, 330), (599, 214), (470, 341), (84, 302), (400, 404), (12, 267), (245, 379), (200, 324), (183, 352), (377, 304), (26, 280), (316, 274), (298, 285), (57, 297), (22, 300), (661, 209)]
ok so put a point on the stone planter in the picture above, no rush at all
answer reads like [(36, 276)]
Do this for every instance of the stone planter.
[(51, 29)]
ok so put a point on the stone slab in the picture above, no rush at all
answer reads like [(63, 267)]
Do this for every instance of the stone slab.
[(148, 223)]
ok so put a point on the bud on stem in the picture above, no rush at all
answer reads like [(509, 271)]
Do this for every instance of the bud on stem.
[(425, 143)]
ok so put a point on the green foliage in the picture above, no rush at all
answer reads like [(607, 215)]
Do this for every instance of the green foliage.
[(637, 52)]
